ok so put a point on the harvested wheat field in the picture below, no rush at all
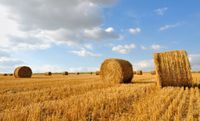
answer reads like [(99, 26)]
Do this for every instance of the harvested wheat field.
[(86, 97), (99, 60)]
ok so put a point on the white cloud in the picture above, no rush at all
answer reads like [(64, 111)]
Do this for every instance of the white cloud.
[(26, 42), (98, 33), (123, 49), (195, 61), (161, 11), (84, 53), (88, 46), (145, 65), (11, 38), (143, 47), (134, 30), (109, 30), (52, 15), (4, 54), (156, 47), (8, 64), (64, 21), (169, 26), (64, 36), (152, 47)]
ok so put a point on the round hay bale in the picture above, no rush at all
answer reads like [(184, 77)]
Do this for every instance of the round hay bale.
[(66, 73), (10, 74), (116, 70), (23, 72), (5, 74), (97, 72), (139, 72), (91, 73), (48, 73), (77, 73)]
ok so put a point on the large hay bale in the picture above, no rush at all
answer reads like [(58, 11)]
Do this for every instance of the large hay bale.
[(66, 73), (116, 70), (173, 68), (77, 73), (10, 74), (23, 72), (139, 72), (48, 73), (5, 74)]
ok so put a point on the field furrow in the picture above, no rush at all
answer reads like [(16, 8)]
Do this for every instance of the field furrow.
[(94, 105), (23, 99), (193, 110), (180, 107), (168, 115), (184, 111), (143, 108)]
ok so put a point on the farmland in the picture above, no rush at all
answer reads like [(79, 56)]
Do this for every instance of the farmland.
[(86, 97)]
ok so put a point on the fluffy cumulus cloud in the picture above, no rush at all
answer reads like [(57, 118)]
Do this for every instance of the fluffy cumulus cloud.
[(84, 53), (88, 46), (134, 30), (156, 46), (195, 61), (145, 65), (123, 49), (101, 34), (161, 11), (169, 26), (8, 63), (52, 21), (27, 42), (53, 14)]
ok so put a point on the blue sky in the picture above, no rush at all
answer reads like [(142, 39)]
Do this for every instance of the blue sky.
[(76, 35)]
